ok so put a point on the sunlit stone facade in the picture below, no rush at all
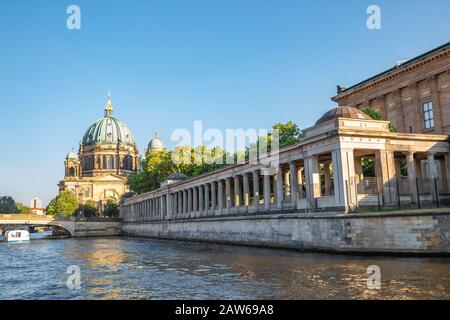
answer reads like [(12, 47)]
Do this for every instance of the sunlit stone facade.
[(413, 95)]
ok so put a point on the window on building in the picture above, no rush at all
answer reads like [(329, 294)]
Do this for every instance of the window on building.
[(428, 117), (110, 162)]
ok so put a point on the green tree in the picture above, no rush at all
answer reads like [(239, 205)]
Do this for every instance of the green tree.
[(23, 209), (8, 205), (185, 159), (111, 208), (199, 160), (65, 202), (89, 209), (376, 115), (289, 133)]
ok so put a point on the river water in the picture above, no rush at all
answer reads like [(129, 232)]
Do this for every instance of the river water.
[(134, 268)]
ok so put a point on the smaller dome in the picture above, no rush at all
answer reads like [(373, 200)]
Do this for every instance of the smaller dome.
[(177, 176), (156, 143), (343, 112), (72, 156)]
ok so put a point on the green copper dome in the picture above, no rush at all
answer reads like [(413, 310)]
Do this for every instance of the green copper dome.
[(108, 130), (156, 143)]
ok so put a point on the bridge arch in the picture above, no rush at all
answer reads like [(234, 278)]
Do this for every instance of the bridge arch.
[(18, 220)]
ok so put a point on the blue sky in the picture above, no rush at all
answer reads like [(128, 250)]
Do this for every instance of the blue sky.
[(231, 64)]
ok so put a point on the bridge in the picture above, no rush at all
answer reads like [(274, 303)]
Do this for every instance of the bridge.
[(76, 227)]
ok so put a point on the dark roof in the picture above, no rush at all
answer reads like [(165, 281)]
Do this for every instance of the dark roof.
[(343, 112), (177, 176), (397, 67)]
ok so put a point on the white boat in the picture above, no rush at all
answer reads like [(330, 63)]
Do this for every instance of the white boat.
[(17, 236)]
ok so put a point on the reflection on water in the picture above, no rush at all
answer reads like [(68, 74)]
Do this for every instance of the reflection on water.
[(131, 268)]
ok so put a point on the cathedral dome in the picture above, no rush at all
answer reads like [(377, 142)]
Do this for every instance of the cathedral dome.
[(108, 130), (343, 112), (155, 144)]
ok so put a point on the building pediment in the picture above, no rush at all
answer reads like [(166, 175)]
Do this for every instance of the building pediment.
[(110, 177)]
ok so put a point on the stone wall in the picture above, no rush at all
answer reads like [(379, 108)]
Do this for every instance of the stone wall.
[(424, 233), (97, 228)]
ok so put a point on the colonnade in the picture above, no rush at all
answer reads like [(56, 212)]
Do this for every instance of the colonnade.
[(294, 185)]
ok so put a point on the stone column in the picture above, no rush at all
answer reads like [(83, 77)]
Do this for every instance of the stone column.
[(293, 184), (228, 195), (419, 175), (180, 203), (343, 174), (312, 177), (274, 188), (185, 204), (213, 197), (435, 100), (432, 174), (447, 171), (266, 192), (280, 191), (287, 184), (411, 167), (398, 172), (358, 169), (162, 208), (327, 174), (300, 183), (385, 172), (169, 206), (174, 206), (237, 193), (190, 203), (155, 208), (220, 197), (195, 201), (256, 189), (206, 199), (246, 191), (401, 125), (149, 208), (417, 108), (201, 201)]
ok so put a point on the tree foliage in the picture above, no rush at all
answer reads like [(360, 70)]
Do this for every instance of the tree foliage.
[(111, 209), (8, 205), (194, 161), (185, 159), (376, 115), (23, 209), (89, 209), (289, 133), (65, 202)]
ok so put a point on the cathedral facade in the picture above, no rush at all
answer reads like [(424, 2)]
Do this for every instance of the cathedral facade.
[(107, 155)]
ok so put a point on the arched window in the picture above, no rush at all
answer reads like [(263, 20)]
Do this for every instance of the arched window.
[(110, 162), (104, 162), (71, 172)]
